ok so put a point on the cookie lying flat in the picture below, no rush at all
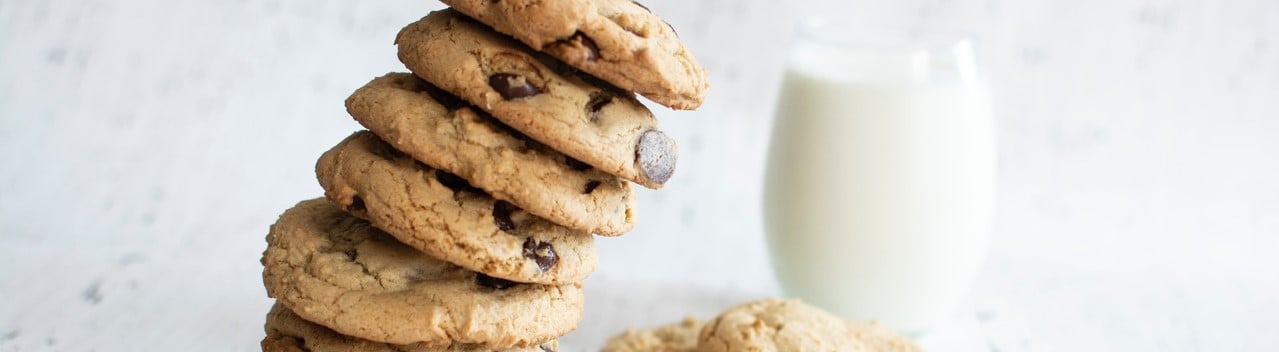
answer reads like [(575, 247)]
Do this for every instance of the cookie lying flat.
[(778, 325), (880, 338), (619, 41), (595, 123), (287, 332), (445, 217), (444, 132), (340, 272), (677, 337)]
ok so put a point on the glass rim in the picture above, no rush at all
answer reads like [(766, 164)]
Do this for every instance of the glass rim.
[(879, 35)]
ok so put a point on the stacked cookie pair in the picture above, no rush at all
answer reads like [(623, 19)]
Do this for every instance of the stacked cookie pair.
[(463, 218)]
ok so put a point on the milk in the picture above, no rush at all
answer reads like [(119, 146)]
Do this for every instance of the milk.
[(879, 190)]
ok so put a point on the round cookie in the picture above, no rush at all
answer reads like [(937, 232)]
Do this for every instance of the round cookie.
[(546, 100), (777, 325), (442, 131), (619, 41), (340, 272), (880, 338), (677, 337), (444, 216), (287, 332)]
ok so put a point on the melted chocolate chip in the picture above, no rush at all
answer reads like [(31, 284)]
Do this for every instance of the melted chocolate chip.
[(512, 86), (656, 155), (502, 216), (542, 253), (357, 204), (598, 100), (493, 282), (583, 43), (455, 183), (351, 254), (576, 164), (591, 186)]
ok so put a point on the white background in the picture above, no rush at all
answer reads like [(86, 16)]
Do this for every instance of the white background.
[(145, 146)]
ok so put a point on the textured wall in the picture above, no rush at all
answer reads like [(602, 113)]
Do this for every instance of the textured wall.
[(145, 146)]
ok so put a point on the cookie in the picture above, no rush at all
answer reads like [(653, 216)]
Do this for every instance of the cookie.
[(619, 41), (592, 122), (877, 337), (440, 130), (777, 325), (287, 332), (340, 272), (444, 216), (677, 337)]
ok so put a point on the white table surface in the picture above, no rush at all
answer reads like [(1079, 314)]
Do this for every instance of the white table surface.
[(145, 146)]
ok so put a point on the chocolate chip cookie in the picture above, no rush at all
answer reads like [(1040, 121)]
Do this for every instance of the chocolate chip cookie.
[(443, 131), (791, 325), (590, 121), (339, 271), (287, 332), (444, 216), (677, 337), (619, 41)]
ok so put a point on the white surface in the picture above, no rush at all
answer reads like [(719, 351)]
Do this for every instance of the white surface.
[(145, 146)]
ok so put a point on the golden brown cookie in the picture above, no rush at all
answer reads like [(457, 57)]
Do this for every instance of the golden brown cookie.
[(677, 337), (791, 325), (444, 132), (595, 123), (444, 216), (287, 332), (340, 272), (619, 41)]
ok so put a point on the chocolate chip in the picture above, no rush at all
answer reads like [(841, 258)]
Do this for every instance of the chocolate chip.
[(541, 252), (576, 164), (656, 155), (597, 102), (512, 86), (642, 6), (356, 205), (351, 254), (502, 216), (455, 183), (591, 186), (584, 44), (493, 282)]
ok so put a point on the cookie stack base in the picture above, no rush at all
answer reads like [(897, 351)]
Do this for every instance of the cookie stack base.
[(287, 332)]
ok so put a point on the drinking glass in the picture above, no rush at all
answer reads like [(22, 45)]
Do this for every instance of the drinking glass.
[(880, 180)]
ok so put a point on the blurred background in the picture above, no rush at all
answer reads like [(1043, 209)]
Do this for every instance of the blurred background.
[(146, 146)]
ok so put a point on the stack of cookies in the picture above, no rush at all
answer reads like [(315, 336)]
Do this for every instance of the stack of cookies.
[(463, 218)]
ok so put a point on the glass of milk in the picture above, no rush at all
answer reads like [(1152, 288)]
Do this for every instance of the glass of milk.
[(879, 189)]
